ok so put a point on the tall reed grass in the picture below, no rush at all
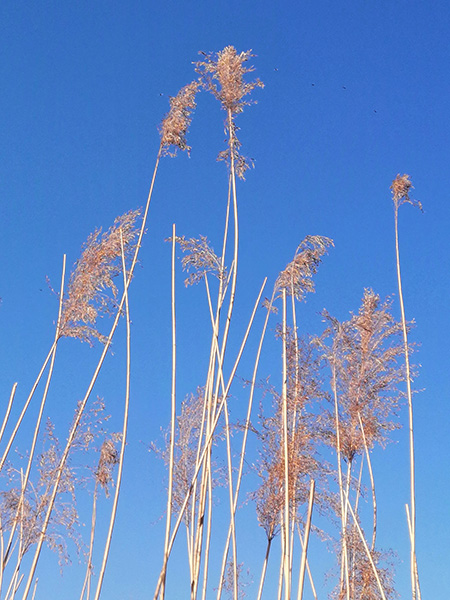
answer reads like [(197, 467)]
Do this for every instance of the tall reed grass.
[(312, 438)]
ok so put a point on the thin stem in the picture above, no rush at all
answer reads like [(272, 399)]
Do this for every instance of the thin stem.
[(410, 411), (372, 483), (281, 571), (313, 587), (208, 441), (344, 560), (87, 579), (264, 569), (173, 406), (124, 429), (8, 410), (286, 554), (366, 548), (358, 488), (83, 403), (220, 379), (16, 587), (230, 312), (206, 473), (26, 405), (208, 532), (301, 578), (39, 418), (34, 589), (244, 441), (416, 572)]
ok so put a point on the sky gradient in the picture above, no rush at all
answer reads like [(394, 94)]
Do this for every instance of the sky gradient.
[(355, 93)]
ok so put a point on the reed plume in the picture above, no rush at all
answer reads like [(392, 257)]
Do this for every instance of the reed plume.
[(93, 276), (223, 74), (175, 124)]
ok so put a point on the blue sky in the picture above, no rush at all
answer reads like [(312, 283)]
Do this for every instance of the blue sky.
[(355, 92)]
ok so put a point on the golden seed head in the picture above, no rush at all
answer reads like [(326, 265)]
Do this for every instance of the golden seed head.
[(223, 75), (297, 277), (400, 188), (109, 458), (93, 275), (176, 123)]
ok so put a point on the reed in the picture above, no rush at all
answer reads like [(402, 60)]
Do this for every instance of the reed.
[(335, 396)]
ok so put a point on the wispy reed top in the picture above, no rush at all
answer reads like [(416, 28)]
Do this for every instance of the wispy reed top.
[(223, 72)]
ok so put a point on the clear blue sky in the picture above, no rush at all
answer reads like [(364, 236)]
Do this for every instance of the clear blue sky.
[(355, 92)]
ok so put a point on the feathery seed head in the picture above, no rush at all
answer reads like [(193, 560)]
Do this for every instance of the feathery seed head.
[(296, 278), (93, 274), (200, 258), (223, 75), (176, 123), (400, 188), (364, 358), (109, 457)]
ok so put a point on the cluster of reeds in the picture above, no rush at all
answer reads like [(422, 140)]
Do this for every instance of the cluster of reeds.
[(339, 398)]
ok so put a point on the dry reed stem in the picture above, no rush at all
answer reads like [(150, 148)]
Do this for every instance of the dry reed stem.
[(204, 484), (208, 441), (223, 286), (366, 548), (345, 520), (296, 359), (244, 442), (408, 519), (344, 554), (208, 532), (173, 403), (231, 302), (400, 194), (264, 569), (16, 587), (89, 566), (372, 485), (126, 282), (206, 474), (210, 264), (35, 588), (286, 521), (13, 586), (311, 581), (8, 410), (25, 407), (281, 570), (83, 403), (204, 428), (220, 378), (2, 547), (203, 462), (39, 418), (301, 577), (358, 487)]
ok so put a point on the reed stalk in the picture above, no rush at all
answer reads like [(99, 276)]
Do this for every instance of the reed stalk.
[(126, 282), (301, 577), (400, 188), (173, 405)]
